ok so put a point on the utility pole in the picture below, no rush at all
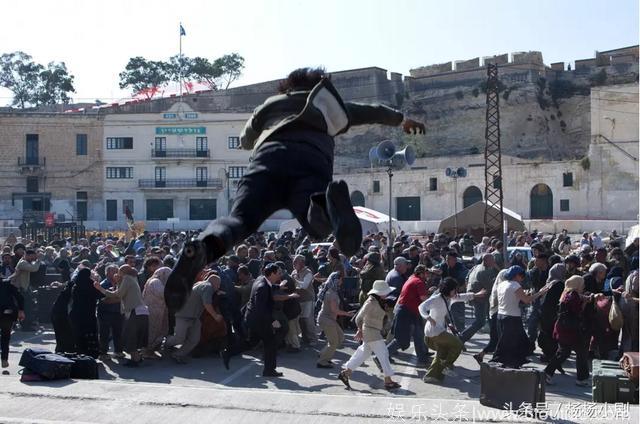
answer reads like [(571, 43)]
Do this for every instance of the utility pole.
[(493, 212)]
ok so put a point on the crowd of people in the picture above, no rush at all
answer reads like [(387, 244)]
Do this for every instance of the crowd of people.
[(285, 292)]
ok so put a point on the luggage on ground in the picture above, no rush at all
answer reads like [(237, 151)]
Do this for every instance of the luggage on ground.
[(84, 367), (49, 365), (629, 363), (611, 384), (506, 388)]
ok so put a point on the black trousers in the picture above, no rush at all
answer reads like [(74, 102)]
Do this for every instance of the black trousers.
[(110, 325), (513, 344), (493, 334), (265, 333), (564, 351), (6, 323), (281, 175)]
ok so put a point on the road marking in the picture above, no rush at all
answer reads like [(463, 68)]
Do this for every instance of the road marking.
[(408, 371), (238, 373)]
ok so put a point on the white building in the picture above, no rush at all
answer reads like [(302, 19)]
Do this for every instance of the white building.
[(178, 164), (597, 192)]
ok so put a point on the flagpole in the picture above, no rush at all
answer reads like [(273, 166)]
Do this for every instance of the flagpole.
[(180, 62)]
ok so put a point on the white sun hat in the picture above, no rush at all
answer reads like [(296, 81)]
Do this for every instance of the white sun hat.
[(381, 288)]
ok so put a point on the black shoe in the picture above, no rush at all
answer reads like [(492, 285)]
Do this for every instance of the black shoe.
[(561, 370), (318, 218), (226, 357), (319, 365), (191, 261), (273, 373), (342, 376), (345, 223)]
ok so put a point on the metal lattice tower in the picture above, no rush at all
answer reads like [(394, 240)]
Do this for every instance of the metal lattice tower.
[(493, 217)]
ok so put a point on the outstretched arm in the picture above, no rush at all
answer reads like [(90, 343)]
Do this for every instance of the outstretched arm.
[(362, 114)]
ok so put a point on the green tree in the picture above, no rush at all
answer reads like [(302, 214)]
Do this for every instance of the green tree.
[(55, 84), (20, 74), (231, 66), (205, 72), (145, 77)]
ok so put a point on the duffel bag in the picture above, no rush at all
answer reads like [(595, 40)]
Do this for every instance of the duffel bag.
[(84, 367), (51, 366), (501, 387), (629, 363)]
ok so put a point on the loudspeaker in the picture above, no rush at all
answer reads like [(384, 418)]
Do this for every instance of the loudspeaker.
[(385, 150), (404, 156)]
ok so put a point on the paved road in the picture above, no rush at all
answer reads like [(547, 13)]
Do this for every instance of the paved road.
[(203, 389)]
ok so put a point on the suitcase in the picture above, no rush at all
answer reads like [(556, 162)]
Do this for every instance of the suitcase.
[(506, 388), (629, 363), (611, 384), (84, 367), (49, 365)]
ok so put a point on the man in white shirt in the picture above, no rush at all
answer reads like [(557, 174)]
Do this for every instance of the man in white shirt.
[(435, 311), (304, 282)]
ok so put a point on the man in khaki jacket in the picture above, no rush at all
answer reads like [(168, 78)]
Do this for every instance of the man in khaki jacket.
[(21, 279)]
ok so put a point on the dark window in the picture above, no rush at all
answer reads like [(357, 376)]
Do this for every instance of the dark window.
[(161, 173), (32, 149), (564, 205), (470, 196), (32, 184), (159, 209), (119, 143), (408, 208), (119, 172), (81, 195), (160, 144), (567, 179), (127, 203), (81, 144), (112, 210), (202, 144), (433, 184), (81, 205), (541, 202), (357, 198), (202, 209), (234, 142), (376, 186), (201, 173), (236, 171)]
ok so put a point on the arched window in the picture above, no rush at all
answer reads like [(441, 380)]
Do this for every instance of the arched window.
[(470, 196), (541, 202), (357, 198)]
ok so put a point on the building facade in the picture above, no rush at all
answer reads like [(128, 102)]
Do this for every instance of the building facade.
[(50, 163), (178, 168), (599, 191)]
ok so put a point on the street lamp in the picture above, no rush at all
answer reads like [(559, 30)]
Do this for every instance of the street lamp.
[(455, 174), (385, 154)]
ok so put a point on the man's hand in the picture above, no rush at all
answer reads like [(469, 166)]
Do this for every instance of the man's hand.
[(97, 286), (358, 336), (413, 127), (481, 293)]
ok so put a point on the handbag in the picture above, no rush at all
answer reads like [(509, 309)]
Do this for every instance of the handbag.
[(616, 320), (452, 326)]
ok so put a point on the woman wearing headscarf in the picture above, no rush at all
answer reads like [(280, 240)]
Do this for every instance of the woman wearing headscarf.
[(570, 332), (135, 332), (549, 312), (328, 318), (370, 323), (513, 344), (153, 297), (604, 343), (84, 300)]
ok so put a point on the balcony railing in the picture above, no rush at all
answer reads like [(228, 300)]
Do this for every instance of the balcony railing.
[(179, 153), (32, 162), (215, 183)]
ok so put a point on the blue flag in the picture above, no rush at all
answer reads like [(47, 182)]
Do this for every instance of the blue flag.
[(182, 31)]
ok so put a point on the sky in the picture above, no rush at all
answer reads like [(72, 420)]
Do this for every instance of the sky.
[(96, 39)]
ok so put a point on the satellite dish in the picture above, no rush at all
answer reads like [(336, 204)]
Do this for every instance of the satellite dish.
[(385, 150), (447, 172), (462, 172)]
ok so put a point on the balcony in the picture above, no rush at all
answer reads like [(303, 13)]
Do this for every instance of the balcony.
[(179, 154), (31, 163), (214, 184)]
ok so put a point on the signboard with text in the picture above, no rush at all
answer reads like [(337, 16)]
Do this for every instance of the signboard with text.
[(180, 130)]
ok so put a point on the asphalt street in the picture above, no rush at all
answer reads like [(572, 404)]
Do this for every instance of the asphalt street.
[(204, 389)]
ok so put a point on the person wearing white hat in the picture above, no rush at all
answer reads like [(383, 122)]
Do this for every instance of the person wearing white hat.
[(370, 323)]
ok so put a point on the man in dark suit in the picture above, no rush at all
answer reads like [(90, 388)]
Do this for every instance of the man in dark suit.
[(259, 316)]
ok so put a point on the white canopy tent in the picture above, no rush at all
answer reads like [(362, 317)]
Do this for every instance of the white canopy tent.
[(371, 221)]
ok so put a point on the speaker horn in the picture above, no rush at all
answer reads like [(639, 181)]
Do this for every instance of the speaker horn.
[(405, 156), (385, 150)]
